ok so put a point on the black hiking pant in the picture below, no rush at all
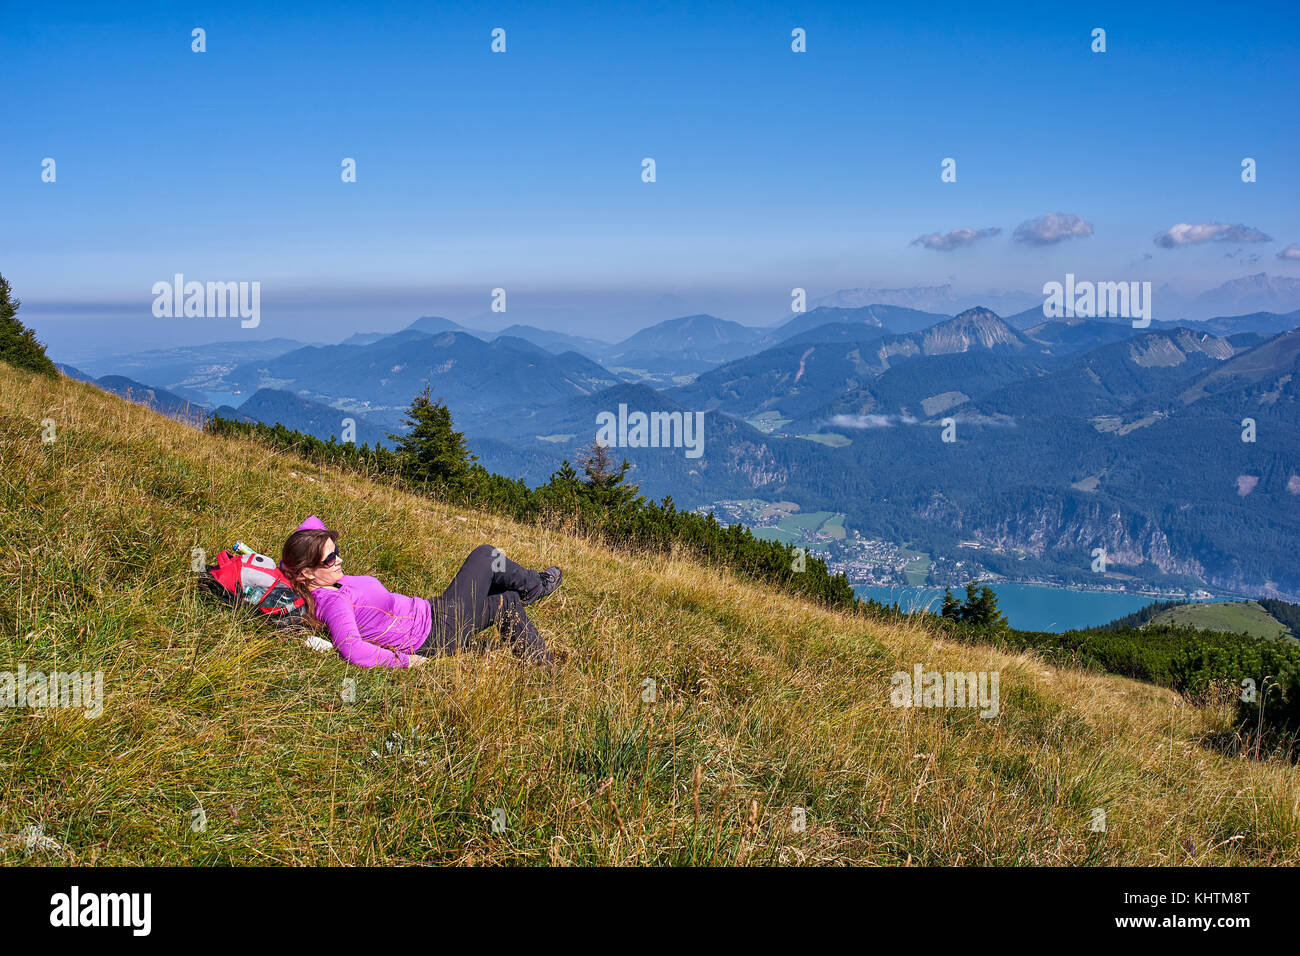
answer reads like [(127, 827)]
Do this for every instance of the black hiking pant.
[(486, 590)]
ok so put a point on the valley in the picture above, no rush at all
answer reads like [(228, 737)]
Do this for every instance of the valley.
[(872, 564)]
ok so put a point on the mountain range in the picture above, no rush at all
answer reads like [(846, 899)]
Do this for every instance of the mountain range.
[(1260, 292), (1066, 435)]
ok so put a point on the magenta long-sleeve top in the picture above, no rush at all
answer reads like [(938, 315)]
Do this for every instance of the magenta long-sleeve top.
[(369, 625)]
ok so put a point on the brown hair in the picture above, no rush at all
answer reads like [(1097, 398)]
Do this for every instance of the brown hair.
[(301, 552)]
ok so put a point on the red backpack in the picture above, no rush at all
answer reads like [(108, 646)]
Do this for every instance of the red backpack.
[(254, 581)]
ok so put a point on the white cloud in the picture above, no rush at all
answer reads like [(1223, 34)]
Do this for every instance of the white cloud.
[(947, 241), (1186, 234), (1291, 252), (1051, 228)]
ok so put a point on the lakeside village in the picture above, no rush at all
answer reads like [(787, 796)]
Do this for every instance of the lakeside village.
[(871, 562)]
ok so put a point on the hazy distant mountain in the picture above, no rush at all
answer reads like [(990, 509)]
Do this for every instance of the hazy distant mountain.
[(933, 298), (425, 325), (433, 324), (363, 338), (524, 345), (650, 310), (554, 342), (558, 342), (277, 407), (471, 375), (1267, 323), (895, 318), (1255, 293), (194, 372), (699, 340), (1242, 296)]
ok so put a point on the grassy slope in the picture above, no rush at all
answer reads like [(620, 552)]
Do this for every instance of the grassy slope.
[(1235, 617), (779, 703)]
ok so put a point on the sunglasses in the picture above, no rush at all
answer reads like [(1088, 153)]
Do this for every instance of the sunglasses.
[(330, 559)]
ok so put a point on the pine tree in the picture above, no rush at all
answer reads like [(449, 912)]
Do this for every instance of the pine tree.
[(951, 606), (565, 476), (972, 598), (987, 613), (605, 483), (981, 607), (563, 490), (18, 345), (432, 451)]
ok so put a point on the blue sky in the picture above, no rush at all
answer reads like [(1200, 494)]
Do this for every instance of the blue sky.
[(523, 169)]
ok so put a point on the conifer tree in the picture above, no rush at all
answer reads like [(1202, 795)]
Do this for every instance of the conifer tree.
[(432, 451), (18, 345), (951, 606), (981, 607), (564, 489), (605, 483)]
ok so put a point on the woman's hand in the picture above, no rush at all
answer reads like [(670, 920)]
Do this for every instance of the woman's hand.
[(415, 660)]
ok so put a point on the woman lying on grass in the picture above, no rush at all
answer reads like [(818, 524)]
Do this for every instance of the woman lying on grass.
[(372, 627)]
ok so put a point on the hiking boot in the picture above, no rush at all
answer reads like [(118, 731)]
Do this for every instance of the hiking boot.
[(550, 581)]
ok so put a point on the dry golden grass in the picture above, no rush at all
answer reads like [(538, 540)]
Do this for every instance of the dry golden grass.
[(765, 703)]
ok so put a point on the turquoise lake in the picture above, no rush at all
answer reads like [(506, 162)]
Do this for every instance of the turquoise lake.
[(1028, 607)]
